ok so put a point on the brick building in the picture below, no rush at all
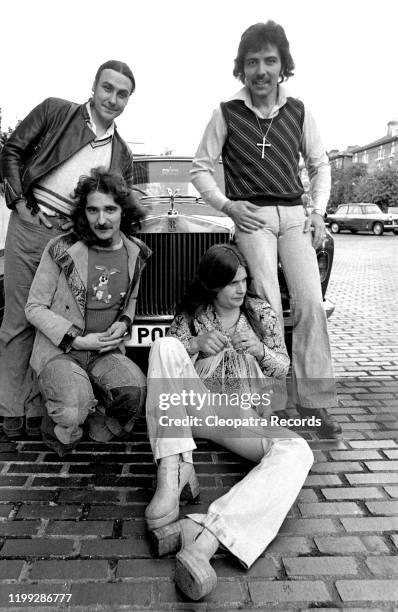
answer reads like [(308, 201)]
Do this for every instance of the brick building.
[(379, 154)]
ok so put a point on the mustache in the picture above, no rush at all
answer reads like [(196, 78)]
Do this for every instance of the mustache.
[(102, 227)]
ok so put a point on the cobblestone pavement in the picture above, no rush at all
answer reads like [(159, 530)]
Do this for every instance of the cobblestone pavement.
[(77, 526)]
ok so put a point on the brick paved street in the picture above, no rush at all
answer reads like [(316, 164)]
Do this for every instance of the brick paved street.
[(77, 526)]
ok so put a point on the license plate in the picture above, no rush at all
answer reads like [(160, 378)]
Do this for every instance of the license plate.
[(145, 335)]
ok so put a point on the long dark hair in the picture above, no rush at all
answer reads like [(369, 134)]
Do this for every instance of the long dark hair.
[(105, 182), (217, 268)]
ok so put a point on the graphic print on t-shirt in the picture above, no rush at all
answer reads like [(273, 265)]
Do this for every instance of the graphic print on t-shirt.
[(107, 282), (101, 290)]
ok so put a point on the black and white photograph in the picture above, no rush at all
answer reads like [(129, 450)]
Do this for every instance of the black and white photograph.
[(198, 306)]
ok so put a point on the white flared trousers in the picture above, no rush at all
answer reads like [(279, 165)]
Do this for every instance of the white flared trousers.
[(247, 518), (282, 236)]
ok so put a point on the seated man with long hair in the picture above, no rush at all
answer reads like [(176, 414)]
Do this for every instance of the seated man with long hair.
[(221, 343), (82, 302)]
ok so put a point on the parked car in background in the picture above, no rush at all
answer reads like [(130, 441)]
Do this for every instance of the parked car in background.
[(361, 217), (179, 228)]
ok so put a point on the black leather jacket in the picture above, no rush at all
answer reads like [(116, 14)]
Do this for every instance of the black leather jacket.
[(52, 132)]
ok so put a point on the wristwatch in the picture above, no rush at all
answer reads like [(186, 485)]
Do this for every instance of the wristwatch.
[(66, 343)]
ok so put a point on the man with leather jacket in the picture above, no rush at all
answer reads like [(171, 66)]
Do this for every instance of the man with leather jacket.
[(40, 164)]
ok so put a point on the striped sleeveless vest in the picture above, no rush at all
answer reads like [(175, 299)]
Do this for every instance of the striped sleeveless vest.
[(276, 176)]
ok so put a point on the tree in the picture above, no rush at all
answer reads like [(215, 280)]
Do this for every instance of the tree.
[(4, 135), (380, 187), (345, 184)]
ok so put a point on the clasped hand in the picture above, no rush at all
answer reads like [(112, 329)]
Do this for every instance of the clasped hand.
[(214, 342), (248, 342), (211, 343), (102, 341)]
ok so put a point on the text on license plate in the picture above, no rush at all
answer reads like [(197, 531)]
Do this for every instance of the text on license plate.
[(145, 335)]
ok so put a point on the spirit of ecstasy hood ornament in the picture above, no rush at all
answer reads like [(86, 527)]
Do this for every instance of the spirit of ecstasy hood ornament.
[(172, 195)]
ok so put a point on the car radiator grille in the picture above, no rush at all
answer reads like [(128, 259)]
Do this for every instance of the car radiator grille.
[(170, 269)]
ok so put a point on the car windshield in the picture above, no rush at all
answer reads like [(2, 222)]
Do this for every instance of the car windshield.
[(161, 177)]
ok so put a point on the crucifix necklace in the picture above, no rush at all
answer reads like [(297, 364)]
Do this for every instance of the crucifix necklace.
[(263, 144)]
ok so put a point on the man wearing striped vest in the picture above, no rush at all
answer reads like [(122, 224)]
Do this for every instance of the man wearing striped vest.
[(40, 165), (260, 133)]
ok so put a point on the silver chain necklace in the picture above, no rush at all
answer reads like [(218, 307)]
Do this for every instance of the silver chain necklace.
[(264, 143)]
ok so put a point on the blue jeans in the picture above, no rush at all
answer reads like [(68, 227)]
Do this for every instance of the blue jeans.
[(283, 237), (24, 246), (67, 384)]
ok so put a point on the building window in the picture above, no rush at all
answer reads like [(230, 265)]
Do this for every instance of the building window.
[(365, 157), (380, 153), (392, 154), (355, 158)]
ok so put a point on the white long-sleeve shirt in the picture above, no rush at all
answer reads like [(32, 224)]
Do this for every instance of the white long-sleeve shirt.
[(215, 135)]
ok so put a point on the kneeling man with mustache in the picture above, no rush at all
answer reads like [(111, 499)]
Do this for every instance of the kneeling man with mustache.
[(82, 302)]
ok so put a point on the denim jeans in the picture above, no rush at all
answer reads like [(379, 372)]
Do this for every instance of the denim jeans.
[(24, 247), (283, 237), (247, 518), (67, 384)]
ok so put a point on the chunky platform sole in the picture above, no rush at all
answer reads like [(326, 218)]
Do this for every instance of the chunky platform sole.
[(194, 575), (170, 539)]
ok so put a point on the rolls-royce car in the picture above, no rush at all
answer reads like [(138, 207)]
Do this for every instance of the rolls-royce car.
[(179, 228)]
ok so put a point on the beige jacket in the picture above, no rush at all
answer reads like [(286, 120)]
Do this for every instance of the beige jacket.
[(57, 298)]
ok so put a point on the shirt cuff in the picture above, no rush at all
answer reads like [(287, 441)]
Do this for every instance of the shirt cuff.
[(128, 322), (216, 199)]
